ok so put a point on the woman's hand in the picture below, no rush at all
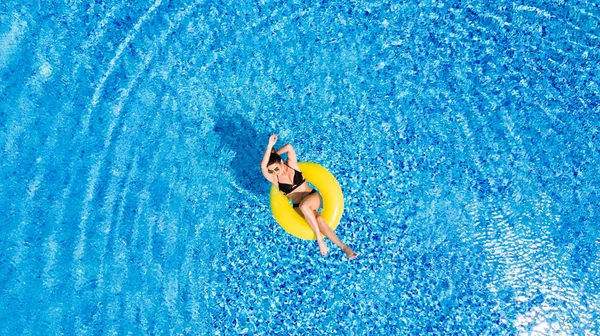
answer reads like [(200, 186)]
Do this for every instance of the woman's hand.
[(273, 140)]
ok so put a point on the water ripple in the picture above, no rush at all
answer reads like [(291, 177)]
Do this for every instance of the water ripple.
[(124, 44)]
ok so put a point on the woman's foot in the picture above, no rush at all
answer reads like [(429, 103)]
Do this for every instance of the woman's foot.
[(322, 246), (349, 253)]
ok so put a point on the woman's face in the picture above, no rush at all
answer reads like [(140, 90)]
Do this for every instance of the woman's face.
[(275, 169)]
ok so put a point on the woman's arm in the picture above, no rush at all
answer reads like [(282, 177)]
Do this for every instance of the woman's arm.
[(265, 159), (291, 153)]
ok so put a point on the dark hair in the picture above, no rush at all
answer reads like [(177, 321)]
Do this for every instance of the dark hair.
[(274, 158)]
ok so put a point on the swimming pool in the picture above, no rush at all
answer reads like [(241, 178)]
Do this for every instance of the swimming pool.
[(464, 136)]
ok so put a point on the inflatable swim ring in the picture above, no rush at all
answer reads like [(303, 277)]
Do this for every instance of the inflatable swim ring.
[(331, 193)]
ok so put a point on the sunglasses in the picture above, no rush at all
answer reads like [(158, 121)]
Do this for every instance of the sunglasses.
[(276, 169)]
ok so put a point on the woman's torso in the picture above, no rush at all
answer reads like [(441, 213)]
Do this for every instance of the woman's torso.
[(299, 192)]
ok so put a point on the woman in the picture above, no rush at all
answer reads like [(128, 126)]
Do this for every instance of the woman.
[(288, 178)]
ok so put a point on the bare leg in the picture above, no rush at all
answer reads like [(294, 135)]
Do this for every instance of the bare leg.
[(309, 215), (328, 232)]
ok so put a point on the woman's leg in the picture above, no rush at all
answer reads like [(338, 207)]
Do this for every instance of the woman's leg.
[(328, 232), (307, 208)]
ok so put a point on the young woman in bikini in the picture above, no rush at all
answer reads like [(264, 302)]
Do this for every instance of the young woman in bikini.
[(288, 178)]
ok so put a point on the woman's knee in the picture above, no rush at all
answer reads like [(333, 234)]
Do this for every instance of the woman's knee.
[(318, 215), (305, 208)]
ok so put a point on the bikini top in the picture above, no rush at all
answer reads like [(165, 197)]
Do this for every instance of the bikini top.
[(298, 180)]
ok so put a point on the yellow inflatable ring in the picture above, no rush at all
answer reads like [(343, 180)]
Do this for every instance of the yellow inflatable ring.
[(331, 193)]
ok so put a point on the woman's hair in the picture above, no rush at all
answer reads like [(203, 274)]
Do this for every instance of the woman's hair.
[(274, 158)]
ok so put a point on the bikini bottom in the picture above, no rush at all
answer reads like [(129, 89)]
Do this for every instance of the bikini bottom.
[(298, 204)]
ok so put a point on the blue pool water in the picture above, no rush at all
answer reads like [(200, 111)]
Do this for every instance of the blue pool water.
[(464, 134)]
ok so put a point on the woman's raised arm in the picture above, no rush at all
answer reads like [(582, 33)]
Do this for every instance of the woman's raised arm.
[(265, 159), (287, 148)]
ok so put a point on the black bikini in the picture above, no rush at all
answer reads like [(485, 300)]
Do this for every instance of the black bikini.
[(295, 205), (298, 179)]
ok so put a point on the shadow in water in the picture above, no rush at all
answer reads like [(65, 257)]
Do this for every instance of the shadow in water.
[(248, 144)]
